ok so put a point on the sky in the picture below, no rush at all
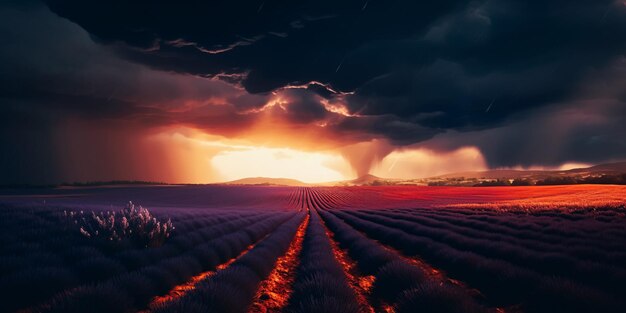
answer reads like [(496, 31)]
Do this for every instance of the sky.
[(209, 91)]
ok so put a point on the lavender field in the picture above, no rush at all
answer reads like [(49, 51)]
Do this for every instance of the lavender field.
[(302, 249)]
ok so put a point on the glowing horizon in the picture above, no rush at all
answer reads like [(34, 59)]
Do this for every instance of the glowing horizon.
[(224, 160)]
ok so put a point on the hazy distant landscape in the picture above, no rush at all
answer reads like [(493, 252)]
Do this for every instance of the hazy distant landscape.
[(612, 173)]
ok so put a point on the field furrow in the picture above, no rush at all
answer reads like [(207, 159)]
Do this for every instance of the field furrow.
[(180, 290), (394, 275), (160, 277), (606, 277), (276, 289), (503, 282), (361, 284), (233, 288), (321, 284)]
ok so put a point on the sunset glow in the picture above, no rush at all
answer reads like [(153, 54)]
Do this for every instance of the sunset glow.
[(286, 163)]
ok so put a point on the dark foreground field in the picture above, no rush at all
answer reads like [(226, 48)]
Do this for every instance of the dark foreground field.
[(333, 249)]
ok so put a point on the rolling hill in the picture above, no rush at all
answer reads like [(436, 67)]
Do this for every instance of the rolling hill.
[(601, 169), (459, 178), (269, 181)]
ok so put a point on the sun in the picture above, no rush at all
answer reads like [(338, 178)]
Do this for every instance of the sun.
[(310, 167)]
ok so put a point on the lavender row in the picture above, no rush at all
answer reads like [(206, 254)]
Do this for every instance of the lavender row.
[(589, 227), (502, 282), (86, 265), (233, 289), (135, 289), (590, 250), (605, 277), (321, 285), (36, 276), (398, 283)]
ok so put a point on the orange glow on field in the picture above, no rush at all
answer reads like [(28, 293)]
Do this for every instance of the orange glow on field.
[(388, 308), (434, 274), (182, 289), (552, 197), (274, 292), (360, 284), (501, 198)]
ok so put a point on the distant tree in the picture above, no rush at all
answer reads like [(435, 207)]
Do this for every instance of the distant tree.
[(436, 183), (491, 183), (604, 179), (555, 180), (521, 182)]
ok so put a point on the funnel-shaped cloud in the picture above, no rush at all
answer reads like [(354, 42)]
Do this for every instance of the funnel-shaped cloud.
[(364, 155)]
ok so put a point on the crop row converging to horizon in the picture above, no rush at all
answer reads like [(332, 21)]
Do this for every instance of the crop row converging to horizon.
[(315, 250)]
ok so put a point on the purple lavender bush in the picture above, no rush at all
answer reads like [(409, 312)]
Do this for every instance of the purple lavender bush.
[(133, 224)]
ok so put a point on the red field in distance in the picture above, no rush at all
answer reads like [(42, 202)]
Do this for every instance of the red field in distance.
[(505, 198)]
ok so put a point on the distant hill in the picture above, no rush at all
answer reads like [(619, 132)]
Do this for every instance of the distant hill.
[(493, 174), (366, 180), (267, 181), (454, 179), (608, 169), (594, 174)]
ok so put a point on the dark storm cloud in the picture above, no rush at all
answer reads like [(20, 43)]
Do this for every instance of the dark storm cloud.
[(398, 131), (52, 68), (462, 65), (52, 75), (303, 107), (284, 42), (588, 132), (590, 129)]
